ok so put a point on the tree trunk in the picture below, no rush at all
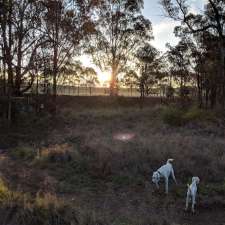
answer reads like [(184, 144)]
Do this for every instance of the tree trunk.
[(7, 54), (113, 82), (18, 67), (199, 85), (55, 72), (221, 70), (55, 55)]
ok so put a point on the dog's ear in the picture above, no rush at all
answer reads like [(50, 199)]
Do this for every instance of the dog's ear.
[(170, 160)]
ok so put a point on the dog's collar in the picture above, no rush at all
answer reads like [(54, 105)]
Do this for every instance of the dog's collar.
[(159, 173)]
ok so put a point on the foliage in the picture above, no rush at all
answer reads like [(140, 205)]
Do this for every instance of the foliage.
[(207, 47), (180, 61), (23, 152), (195, 114), (121, 29), (149, 64), (170, 92), (177, 117)]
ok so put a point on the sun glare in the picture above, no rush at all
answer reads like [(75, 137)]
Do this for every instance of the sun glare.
[(103, 76)]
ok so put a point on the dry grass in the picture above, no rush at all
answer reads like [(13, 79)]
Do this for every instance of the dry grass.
[(109, 180)]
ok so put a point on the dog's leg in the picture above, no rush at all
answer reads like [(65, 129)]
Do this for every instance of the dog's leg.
[(174, 178), (157, 185), (166, 184), (193, 204), (187, 202)]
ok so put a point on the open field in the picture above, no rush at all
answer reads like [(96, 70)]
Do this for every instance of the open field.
[(82, 158)]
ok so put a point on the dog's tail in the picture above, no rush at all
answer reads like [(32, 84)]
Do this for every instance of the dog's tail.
[(170, 160)]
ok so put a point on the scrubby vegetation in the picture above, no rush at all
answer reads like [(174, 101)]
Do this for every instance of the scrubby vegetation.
[(176, 116), (21, 208), (79, 171)]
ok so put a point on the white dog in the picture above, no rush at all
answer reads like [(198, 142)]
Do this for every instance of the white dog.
[(164, 171), (191, 193)]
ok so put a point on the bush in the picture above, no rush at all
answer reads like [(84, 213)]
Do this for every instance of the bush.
[(196, 114), (177, 117), (23, 153), (57, 153), (173, 117)]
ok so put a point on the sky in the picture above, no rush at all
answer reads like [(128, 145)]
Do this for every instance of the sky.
[(163, 27)]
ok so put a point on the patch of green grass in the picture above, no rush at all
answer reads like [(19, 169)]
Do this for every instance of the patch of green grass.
[(23, 153), (174, 116), (196, 114)]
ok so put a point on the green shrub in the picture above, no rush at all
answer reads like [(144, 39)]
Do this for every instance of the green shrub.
[(196, 114), (176, 117), (173, 116), (23, 153)]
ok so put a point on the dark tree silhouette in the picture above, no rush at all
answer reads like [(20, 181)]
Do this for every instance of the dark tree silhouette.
[(121, 30), (211, 21)]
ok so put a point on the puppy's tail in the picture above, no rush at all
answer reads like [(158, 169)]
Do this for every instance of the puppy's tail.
[(170, 160)]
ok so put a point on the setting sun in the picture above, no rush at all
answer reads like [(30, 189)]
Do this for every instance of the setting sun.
[(103, 76)]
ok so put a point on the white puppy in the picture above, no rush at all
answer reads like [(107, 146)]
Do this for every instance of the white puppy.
[(191, 193), (164, 171)]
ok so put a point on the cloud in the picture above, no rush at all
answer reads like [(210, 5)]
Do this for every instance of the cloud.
[(163, 33)]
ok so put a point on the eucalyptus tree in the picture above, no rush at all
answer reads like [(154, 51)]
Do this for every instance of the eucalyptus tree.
[(205, 68), (121, 30), (20, 27), (20, 23), (179, 58), (211, 20), (130, 79), (67, 23), (149, 64), (90, 77)]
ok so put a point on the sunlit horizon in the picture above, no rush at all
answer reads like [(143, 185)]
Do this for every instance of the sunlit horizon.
[(103, 76)]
